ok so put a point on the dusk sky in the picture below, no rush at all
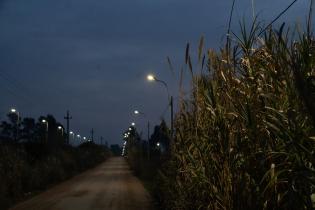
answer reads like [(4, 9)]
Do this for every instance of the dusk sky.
[(92, 56)]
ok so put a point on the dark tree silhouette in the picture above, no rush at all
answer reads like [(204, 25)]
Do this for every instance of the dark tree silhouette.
[(28, 129), (160, 135)]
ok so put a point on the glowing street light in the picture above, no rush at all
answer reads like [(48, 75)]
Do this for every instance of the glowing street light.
[(151, 77), (137, 112), (158, 144), (133, 124), (46, 123), (72, 134), (61, 129), (14, 111)]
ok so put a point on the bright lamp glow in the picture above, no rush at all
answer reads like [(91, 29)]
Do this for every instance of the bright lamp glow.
[(13, 110), (71, 132), (136, 112), (150, 77), (59, 127), (158, 144), (44, 121), (133, 124)]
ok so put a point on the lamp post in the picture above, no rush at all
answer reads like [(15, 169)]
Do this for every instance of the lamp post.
[(79, 137), (14, 111), (72, 134), (46, 123), (136, 112), (152, 78), (60, 128)]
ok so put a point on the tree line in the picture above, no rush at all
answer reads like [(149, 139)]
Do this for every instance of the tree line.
[(33, 158)]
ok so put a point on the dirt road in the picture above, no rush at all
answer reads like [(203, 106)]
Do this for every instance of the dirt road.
[(110, 186)]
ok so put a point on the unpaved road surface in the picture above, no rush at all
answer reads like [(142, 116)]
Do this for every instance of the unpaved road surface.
[(108, 186)]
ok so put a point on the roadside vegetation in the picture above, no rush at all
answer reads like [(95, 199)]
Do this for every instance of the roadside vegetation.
[(245, 138), (30, 164), (245, 133), (147, 158)]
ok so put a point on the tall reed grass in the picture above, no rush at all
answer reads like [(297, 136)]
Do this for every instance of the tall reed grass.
[(245, 137)]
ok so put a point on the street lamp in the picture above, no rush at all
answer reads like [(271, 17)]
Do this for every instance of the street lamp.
[(14, 111), (152, 78), (78, 137), (136, 112), (46, 123), (72, 133), (133, 124), (61, 129)]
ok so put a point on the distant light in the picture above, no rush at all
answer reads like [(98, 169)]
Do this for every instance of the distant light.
[(130, 129), (71, 133), (150, 77), (158, 144), (13, 110), (84, 138), (133, 124), (136, 112), (59, 127), (44, 121), (78, 136)]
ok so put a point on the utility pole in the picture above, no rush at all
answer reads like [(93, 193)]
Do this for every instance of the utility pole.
[(101, 140), (92, 135), (68, 118)]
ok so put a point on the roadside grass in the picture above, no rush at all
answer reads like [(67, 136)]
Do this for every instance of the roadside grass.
[(245, 131)]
